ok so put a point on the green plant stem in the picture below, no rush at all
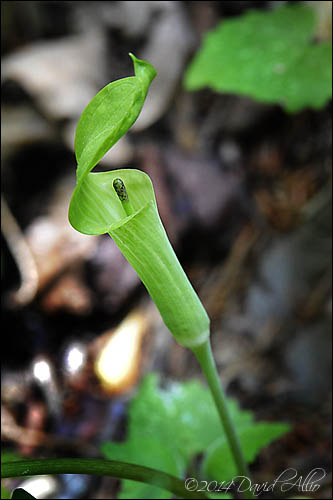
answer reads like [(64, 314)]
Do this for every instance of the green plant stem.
[(205, 357), (99, 467)]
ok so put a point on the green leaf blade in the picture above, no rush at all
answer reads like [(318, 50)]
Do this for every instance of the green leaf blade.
[(149, 452), (311, 75), (268, 56), (181, 421), (218, 463)]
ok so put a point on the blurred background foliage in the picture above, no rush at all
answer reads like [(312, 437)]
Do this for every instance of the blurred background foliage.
[(244, 190), (277, 56)]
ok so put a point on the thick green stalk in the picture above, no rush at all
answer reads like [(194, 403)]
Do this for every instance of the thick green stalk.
[(205, 357), (99, 467)]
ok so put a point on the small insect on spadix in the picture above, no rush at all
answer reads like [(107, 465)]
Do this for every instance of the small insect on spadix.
[(120, 189)]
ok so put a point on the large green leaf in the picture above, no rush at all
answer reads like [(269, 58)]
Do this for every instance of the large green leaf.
[(149, 451), (218, 463), (168, 427), (269, 56), (198, 420)]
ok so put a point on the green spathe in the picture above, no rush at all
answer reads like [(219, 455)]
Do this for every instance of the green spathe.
[(109, 115), (143, 240), (96, 208)]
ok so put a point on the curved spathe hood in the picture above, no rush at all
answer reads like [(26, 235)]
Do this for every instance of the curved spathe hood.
[(95, 206)]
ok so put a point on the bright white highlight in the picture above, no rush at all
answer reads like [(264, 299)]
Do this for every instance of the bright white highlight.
[(40, 486), (42, 371), (75, 359)]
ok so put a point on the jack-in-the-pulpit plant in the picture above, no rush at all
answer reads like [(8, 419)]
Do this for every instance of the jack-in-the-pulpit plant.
[(122, 203)]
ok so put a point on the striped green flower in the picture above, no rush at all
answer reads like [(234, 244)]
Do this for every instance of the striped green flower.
[(122, 203)]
